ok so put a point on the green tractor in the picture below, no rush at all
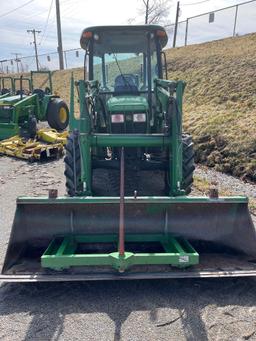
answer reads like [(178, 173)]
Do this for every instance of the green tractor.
[(128, 167), (20, 112)]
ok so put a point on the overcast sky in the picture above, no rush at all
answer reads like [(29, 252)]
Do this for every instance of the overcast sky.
[(75, 15)]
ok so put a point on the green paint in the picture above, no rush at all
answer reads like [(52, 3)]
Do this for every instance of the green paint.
[(124, 104), (129, 140), (85, 130), (73, 122), (159, 201), (62, 254), (175, 157)]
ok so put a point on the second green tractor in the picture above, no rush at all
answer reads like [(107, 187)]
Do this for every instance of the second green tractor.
[(23, 105)]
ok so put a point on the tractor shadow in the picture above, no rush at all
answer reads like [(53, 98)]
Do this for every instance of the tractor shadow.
[(49, 304)]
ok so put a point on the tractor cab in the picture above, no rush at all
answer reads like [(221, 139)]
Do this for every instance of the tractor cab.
[(125, 60)]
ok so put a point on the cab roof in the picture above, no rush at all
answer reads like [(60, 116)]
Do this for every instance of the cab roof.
[(122, 39)]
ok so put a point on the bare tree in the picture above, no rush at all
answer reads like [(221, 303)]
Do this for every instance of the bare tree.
[(155, 11)]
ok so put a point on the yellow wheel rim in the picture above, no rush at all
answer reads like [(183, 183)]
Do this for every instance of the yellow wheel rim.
[(63, 115)]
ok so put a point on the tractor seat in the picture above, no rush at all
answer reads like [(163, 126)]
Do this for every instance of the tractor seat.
[(125, 84), (5, 91), (39, 92)]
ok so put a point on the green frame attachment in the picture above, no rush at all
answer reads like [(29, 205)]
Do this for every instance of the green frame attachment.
[(62, 252)]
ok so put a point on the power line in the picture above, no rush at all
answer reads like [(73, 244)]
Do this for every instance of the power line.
[(195, 3), (48, 32), (15, 9), (47, 21)]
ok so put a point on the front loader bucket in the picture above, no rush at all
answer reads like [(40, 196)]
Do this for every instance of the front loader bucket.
[(41, 247)]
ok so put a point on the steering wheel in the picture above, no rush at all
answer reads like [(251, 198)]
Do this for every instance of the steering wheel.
[(47, 90)]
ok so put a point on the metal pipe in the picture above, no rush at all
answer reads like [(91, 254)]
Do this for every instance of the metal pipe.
[(186, 33), (176, 24), (131, 140), (149, 75), (121, 214), (85, 138), (234, 29), (66, 61), (59, 34), (103, 70), (21, 87)]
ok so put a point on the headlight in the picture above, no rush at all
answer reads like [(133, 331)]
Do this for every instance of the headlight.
[(117, 118), (139, 118)]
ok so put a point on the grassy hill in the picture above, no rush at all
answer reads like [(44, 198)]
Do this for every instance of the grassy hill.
[(220, 100)]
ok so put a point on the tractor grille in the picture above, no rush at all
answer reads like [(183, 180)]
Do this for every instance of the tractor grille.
[(6, 114), (129, 126)]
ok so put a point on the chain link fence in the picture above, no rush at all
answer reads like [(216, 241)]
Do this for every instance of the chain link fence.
[(47, 61), (227, 22)]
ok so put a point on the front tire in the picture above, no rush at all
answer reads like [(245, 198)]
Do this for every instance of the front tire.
[(58, 114), (188, 163), (73, 166), (188, 166)]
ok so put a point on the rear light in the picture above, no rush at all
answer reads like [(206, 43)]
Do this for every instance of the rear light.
[(117, 118), (139, 118), (160, 33), (87, 34)]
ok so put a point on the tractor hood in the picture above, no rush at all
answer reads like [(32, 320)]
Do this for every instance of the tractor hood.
[(11, 100), (127, 104)]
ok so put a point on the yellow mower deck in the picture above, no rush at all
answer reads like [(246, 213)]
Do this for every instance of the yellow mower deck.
[(47, 144)]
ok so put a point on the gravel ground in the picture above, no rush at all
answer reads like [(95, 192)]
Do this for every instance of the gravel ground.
[(206, 309), (226, 182)]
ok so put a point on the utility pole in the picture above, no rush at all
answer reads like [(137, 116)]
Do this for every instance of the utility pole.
[(60, 48), (17, 60), (146, 3), (35, 44), (176, 24)]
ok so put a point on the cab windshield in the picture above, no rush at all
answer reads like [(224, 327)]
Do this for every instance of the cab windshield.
[(119, 71)]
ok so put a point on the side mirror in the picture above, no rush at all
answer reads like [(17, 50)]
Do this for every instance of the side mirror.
[(164, 64)]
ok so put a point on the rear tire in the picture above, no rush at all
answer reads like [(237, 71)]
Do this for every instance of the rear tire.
[(58, 114), (72, 162), (32, 126)]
